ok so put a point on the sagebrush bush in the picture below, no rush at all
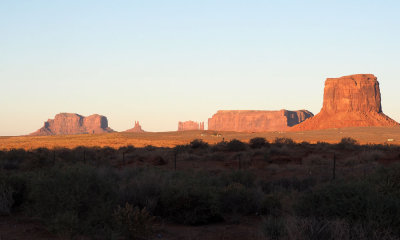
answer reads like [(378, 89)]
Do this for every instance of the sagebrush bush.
[(273, 228), (133, 223), (198, 144), (284, 141), (188, 202), (258, 142), (237, 198), (347, 143), (354, 202), (77, 195), (235, 146), (270, 205), (6, 198)]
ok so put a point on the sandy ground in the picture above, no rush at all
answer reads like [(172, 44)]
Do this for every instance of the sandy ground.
[(365, 135)]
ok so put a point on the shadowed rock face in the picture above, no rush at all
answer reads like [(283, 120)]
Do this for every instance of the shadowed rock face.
[(256, 121), (190, 125), (137, 128), (349, 101), (71, 123)]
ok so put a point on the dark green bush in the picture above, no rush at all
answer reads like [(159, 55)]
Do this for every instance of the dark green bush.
[(133, 223), (287, 184), (237, 198), (354, 202), (243, 177), (273, 228), (347, 143), (271, 205), (198, 144), (258, 142), (74, 199), (188, 202), (235, 146)]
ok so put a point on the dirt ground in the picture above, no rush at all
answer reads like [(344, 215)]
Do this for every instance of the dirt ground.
[(365, 135)]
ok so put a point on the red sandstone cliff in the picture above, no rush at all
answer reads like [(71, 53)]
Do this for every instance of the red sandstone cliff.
[(256, 121), (349, 101), (71, 123), (137, 128), (190, 125)]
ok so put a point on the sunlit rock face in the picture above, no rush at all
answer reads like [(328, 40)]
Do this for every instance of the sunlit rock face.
[(72, 123), (256, 121), (349, 101), (190, 125), (137, 128)]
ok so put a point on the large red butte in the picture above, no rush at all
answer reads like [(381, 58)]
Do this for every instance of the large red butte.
[(349, 101)]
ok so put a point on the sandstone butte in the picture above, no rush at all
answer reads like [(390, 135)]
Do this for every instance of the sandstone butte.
[(71, 123), (190, 125), (136, 129), (256, 121), (349, 101)]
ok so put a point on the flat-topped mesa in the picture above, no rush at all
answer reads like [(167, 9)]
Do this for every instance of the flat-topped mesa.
[(137, 128), (255, 120), (71, 123), (190, 125), (358, 92), (349, 101)]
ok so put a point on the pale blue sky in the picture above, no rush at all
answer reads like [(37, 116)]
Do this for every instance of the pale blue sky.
[(164, 61)]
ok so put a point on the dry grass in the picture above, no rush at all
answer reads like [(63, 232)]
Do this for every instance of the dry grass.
[(365, 135)]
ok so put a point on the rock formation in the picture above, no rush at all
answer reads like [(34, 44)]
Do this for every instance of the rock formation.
[(256, 121), (137, 128), (190, 125), (71, 123), (349, 101)]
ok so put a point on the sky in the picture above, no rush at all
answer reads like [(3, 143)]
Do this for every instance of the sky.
[(160, 62)]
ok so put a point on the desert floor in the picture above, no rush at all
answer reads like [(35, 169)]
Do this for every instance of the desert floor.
[(365, 135)]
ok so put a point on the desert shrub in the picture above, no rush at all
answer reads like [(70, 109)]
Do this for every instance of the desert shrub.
[(273, 228), (198, 144), (216, 156), (38, 158), (270, 205), (322, 146), (371, 156), (347, 143), (356, 202), (317, 228), (12, 192), (235, 146), (6, 198), (284, 150), (127, 149), (150, 148), (258, 142), (287, 184), (142, 187), (284, 141), (73, 199), (219, 147), (237, 198), (13, 159), (243, 177), (314, 159), (189, 202), (133, 222), (387, 180)]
